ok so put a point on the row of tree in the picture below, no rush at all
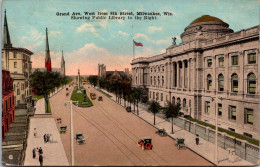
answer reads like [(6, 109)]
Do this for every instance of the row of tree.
[(124, 90)]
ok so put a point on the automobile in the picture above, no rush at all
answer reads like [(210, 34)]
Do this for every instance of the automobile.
[(128, 109), (100, 98), (179, 142), (93, 96), (80, 138), (145, 143), (63, 129)]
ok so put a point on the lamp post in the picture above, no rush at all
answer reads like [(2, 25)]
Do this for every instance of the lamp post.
[(216, 133), (71, 130)]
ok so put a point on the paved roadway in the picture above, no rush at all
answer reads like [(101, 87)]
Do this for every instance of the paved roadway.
[(112, 134)]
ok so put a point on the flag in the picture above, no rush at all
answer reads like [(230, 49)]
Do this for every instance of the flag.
[(138, 43)]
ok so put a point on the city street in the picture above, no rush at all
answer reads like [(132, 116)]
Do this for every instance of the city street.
[(111, 136)]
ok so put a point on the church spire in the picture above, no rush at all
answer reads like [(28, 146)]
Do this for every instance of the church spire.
[(7, 40), (62, 59), (47, 53)]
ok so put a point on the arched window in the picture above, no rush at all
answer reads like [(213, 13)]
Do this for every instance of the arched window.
[(15, 64), (178, 100), (184, 103), (209, 82), (154, 80), (173, 100), (234, 83), (220, 82), (251, 83), (158, 80)]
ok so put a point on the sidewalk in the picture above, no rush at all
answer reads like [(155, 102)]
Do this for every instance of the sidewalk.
[(204, 149), (40, 105), (53, 153)]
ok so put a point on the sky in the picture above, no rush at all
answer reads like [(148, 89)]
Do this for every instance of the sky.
[(85, 43)]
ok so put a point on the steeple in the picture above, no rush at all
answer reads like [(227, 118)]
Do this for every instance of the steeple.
[(6, 40), (62, 60), (47, 53)]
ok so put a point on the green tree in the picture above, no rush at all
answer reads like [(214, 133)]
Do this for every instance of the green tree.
[(172, 111), (93, 80), (154, 108), (46, 82)]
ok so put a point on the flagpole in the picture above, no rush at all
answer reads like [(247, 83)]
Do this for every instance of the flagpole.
[(133, 49)]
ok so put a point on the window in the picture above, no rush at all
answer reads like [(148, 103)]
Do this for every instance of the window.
[(135, 80), (207, 107), (162, 80), (209, 82), (251, 58), (221, 61), (151, 69), (157, 96), (249, 116), (248, 135), (158, 80), (15, 64), (150, 94), (220, 82), (184, 103), (232, 113), (151, 80), (178, 100), (18, 91), (162, 68), (158, 69), (153, 95), (209, 62), (231, 129), (251, 83), (15, 55), (219, 109), (161, 96), (234, 83), (154, 80), (234, 60), (189, 103), (154, 69), (22, 86), (173, 100)]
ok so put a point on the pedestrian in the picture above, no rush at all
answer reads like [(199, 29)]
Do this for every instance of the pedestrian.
[(34, 154), (41, 159), (40, 151), (197, 139), (35, 132), (37, 152), (45, 138)]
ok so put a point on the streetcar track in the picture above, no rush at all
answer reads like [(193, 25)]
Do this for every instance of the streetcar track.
[(88, 119), (121, 125)]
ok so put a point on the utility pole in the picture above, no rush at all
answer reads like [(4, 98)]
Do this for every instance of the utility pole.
[(71, 130)]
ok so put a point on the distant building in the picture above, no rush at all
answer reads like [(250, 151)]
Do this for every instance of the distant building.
[(213, 70), (7, 101), (18, 62), (113, 74)]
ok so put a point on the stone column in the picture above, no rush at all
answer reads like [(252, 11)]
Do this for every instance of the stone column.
[(188, 71), (178, 75), (173, 74), (183, 73), (170, 78)]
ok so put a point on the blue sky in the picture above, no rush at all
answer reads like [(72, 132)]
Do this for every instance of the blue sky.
[(87, 43)]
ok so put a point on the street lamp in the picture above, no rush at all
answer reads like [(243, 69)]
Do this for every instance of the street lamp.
[(71, 129), (216, 133)]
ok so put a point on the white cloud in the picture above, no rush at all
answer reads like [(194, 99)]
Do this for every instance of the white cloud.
[(140, 35), (152, 29), (87, 28), (122, 33), (32, 39), (53, 33)]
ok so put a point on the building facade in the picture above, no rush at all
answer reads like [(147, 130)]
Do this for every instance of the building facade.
[(18, 62), (7, 101), (213, 70)]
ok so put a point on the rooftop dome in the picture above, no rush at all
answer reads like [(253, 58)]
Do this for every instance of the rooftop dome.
[(206, 18)]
